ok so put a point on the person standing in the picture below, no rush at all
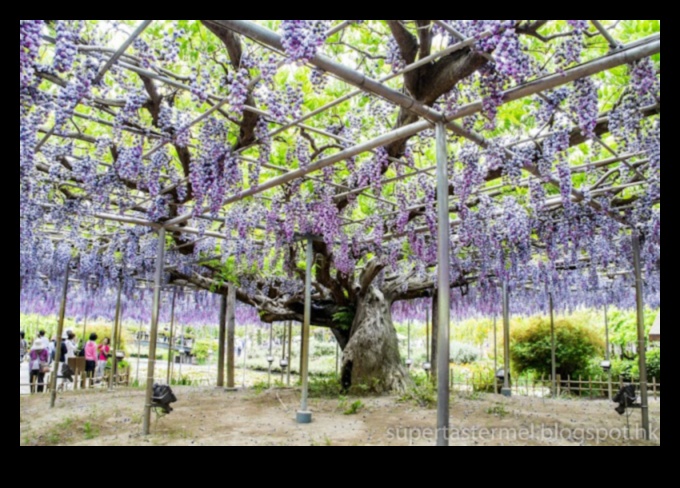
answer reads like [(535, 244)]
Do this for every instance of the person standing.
[(38, 365), (23, 346), (91, 355), (45, 342), (104, 353), (71, 345)]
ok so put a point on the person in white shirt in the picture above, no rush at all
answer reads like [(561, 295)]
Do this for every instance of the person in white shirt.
[(71, 346)]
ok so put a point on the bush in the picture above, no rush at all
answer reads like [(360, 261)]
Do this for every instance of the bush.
[(463, 353), (654, 365), (483, 377), (203, 349), (577, 344), (323, 349)]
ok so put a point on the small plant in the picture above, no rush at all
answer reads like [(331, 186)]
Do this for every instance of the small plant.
[(260, 387), (342, 402), (497, 410), (90, 431), (327, 441), (355, 408)]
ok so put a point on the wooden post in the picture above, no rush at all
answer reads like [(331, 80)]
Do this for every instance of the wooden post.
[(171, 342), (221, 343), (114, 335), (60, 331), (231, 336), (290, 350)]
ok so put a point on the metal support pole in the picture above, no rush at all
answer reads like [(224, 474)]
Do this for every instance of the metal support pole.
[(408, 352), (153, 339), (507, 390), (337, 360), (114, 336), (290, 351), (444, 286), (270, 358), (607, 353), (283, 351), (231, 337), (171, 354), (495, 354), (245, 355), (222, 340), (304, 416), (60, 331), (553, 345), (427, 338), (642, 339)]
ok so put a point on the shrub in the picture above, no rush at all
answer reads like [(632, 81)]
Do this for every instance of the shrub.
[(323, 349), (463, 353), (576, 345), (654, 364), (203, 349)]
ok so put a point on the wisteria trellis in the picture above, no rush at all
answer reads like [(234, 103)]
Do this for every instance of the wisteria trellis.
[(544, 189)]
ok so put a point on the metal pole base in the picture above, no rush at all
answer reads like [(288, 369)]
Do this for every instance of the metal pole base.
[(506, 392), (303, 417)]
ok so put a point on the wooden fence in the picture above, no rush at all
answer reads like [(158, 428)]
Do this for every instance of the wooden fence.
[(81, 381), (595, 388)]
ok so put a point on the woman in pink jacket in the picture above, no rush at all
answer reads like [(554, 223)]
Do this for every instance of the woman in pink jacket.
[(91, 354)]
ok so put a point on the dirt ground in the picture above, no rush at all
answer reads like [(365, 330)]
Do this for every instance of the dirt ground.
[(204, 417)]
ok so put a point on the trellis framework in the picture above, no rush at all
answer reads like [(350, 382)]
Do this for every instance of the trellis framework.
[(632, 167)]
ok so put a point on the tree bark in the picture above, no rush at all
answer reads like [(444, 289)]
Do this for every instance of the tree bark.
[(371, 357)]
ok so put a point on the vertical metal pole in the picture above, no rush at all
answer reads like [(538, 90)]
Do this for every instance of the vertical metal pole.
[(245, 354), (553, 346), (171, 342), (607, 353), (271, 352), (290, 350), (222, 340), (304, 416), (283, 351), (60, 331), (155, 311), (444, 287), (427, 335), (506, 391), (642, 339), (139, 352), (337, 360), (114, 336), (495, 353), (408, 352), (231, 337)]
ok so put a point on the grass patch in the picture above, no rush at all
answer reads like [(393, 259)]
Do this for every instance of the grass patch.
[(355, 408)]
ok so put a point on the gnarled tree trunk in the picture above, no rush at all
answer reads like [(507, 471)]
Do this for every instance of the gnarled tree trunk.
[(371, 357)]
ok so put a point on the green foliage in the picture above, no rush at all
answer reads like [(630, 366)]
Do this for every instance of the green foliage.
[(345, 317), (354, 408), (576, 345), (463, 353), (325, 387), (623, 327), (90, 432), (203, 349), (498, 410), (483, 377), (421, 392), (654, 364), (323, 349), (260, 386)]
